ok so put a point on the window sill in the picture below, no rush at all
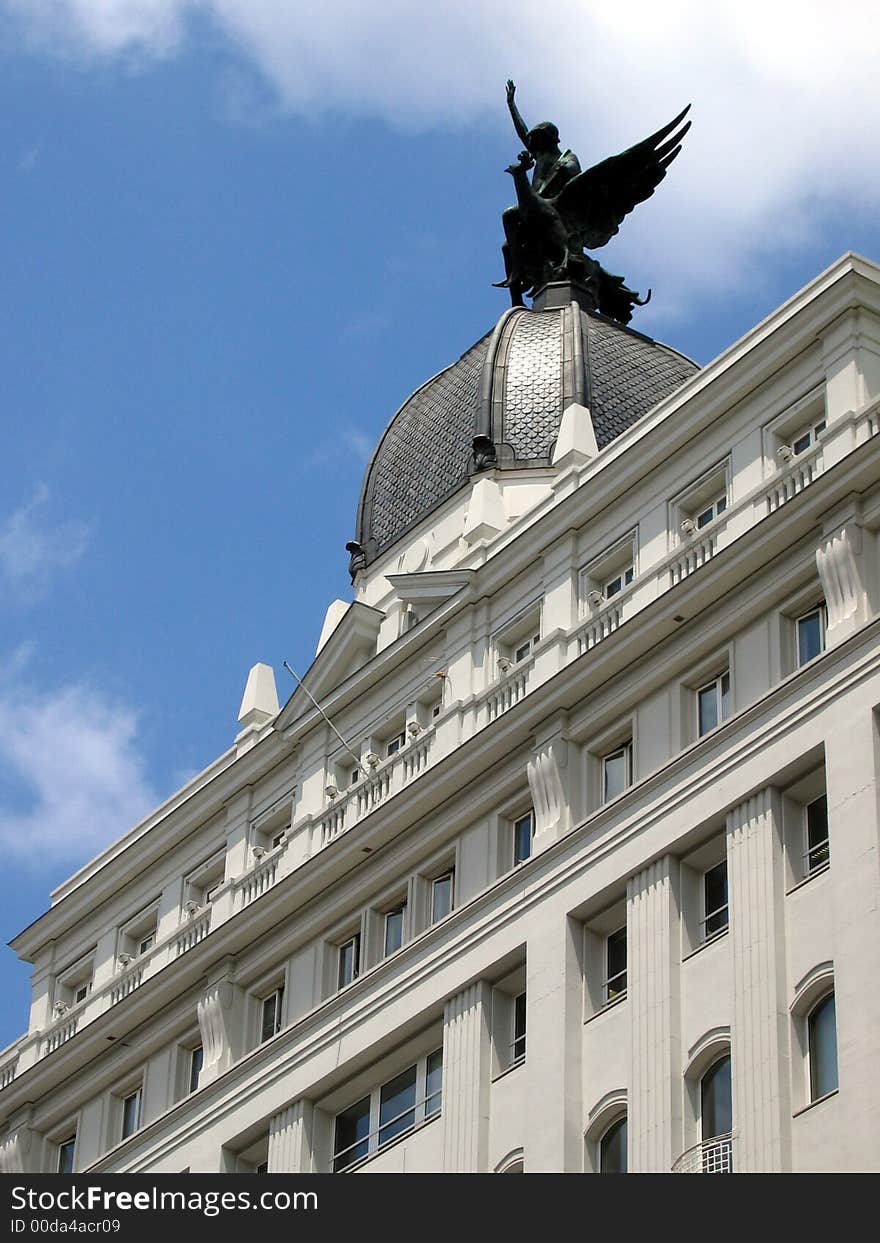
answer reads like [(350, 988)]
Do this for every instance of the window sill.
[(520, 1061), (820, 1100), (606, 1008), (713, 940), (820, 871)]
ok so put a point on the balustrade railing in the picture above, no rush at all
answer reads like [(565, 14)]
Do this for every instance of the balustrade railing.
[(195, 930)]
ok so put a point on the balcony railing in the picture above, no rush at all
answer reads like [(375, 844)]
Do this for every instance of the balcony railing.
[(711, 1156), (389, 777)]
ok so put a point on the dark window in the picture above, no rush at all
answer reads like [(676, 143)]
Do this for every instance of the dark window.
[(271, 1016), (131, 1114), (823, 1048), (713, 703), (518, 1045), (522, 839), (615, 965), (715, 899), (811, 635), (352, 1132), (612, 1149), (349, 960), (262, 1168), (397, 1106), (617, 771), (196, 1060), (66, 1150), (817, 834), (433, 1083), (394, 929), (441, 896), (716, 1111)]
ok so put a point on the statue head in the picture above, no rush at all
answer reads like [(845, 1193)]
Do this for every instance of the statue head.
[(543, 136)]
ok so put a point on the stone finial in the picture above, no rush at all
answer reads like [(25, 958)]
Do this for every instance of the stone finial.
[(576, 441), (334, 615), (259, 703)]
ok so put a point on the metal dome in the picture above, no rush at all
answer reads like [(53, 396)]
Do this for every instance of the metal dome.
[(512, 386)]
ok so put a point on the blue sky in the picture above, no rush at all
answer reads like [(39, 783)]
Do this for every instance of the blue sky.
[(233, 240)]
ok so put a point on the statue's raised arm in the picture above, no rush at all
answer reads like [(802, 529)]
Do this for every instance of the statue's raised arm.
[(519, 124)]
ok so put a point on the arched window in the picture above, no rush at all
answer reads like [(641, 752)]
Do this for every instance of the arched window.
[(822, 1032), (612, 1149), (716, 1110)]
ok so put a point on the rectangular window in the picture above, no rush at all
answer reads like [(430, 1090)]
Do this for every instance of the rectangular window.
[(352, 1135), (66, 1150), (196, 1061), (433, 1083), (617, 584), (617, 771), (615, 966), (270, 1020), (394, 745), (410, 1098), (397, 1106), (811, 634), (523, 650), (711, 512), (349, 960), (394, 928), (131, 1113), (817, 854), (523, 833), (441, 895), (805, 439), (713, 703), (145, 944), (80, 994), (518, 1044), (715, 916)]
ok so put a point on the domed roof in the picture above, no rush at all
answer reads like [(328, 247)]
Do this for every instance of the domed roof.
[(512, 386)]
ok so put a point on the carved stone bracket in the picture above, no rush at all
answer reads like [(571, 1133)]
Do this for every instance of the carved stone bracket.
[(840, 562), (17, 1149), (216, 1013), (547, 774)]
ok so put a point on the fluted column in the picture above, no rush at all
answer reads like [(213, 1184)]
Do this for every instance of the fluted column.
[(759, 1032), (654, 974), (290, 1139), (467, 1063)]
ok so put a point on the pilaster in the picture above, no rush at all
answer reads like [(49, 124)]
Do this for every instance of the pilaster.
[(654, 991), (759, 1033), (554, 1041), (467, 1061), (290, 1139)]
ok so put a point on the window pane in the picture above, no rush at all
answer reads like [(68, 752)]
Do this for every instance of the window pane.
[(707, 700), (197, 1057), (394, 930), (65, 1156), (612, 1150), (131, 1109), (809, 636), (518, 1047), (271, 1022), (715, 1100), (706, 516), (614, 587), (802, 442), (397, 1106), (615, 965), (817, 834), (725, 696), (715, 898), (522, 839), (348, 960), (616, 767), (433, 1083), (721, 505), (823, 1049), (352, 1130), (441, 897)]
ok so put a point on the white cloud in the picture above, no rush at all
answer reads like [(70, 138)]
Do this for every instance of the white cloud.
[(74, 776), (785, 99), (31, 549)]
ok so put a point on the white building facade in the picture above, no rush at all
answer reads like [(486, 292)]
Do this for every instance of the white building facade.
[(593, 881)]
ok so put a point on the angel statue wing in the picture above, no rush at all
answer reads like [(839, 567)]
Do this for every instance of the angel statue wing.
[(593, 204)]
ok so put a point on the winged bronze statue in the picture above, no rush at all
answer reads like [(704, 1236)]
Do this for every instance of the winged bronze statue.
[(563, 211)]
